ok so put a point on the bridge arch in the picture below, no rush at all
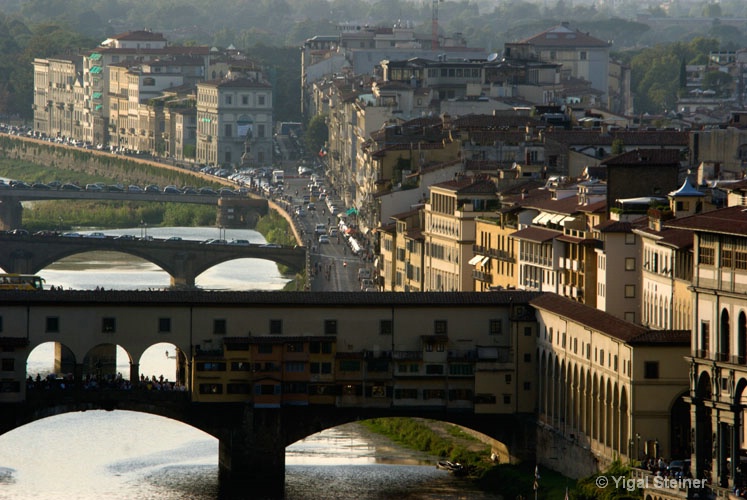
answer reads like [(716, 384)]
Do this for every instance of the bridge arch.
[(182, 260)]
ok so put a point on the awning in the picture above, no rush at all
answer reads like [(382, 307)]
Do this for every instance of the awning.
[(95, 70), (541, 219), (96, 95), (484, 260), (555, 219), (474, 260)]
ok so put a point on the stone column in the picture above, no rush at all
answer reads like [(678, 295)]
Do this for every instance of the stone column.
[(11, 213), (252, 456)]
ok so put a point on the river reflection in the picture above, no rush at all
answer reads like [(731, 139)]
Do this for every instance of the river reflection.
[(121, 271), (126, 455)]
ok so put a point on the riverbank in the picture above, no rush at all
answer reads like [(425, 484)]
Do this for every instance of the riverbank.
[(450, 442)]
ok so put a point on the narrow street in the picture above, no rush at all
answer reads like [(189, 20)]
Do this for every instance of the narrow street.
[(333, 265)]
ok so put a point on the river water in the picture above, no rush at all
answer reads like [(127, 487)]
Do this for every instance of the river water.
[(123, 455)]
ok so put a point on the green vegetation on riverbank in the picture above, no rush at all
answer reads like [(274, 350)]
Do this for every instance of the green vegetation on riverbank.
[(512, 481), (63, 215)]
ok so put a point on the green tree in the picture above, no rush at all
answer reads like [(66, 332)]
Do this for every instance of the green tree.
[(717, 81), (316, 134)]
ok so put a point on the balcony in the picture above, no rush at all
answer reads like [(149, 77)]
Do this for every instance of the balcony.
[(407, 355), (482, 276)]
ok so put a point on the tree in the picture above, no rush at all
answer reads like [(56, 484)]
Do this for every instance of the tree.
[(316, 134), (718, 81)]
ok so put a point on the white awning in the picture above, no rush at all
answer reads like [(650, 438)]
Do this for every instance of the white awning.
[(474, 260), (555, 219), (541, 219), (484, 260)]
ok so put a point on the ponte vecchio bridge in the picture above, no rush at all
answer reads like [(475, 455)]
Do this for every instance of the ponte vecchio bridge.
[(264, 369)]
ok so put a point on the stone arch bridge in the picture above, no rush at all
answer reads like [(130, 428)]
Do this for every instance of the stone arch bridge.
[(183, 260), (252, 440)]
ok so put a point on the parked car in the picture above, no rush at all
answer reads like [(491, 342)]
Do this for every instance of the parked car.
[(324, 239), (70, 187), (243, 243), (171, 190), (94, 187), (152, 188), (134, 189), (95, 234)]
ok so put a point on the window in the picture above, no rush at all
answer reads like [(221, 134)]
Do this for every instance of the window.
[(508, 378), (227, 129), (434, 369), (261, 100), (229, 99), (506, 399), (440, 327), (219, 326), (211, 366), (330, 327), (264, 349), (350, 365), (651, 369), (8, 364), (630, 263), (276, 326), (528, 331), (241, 366), (245, 100), (527, 386), (630, 316), (238, 388), (295, 367), (385, 327), (294, 347), (53, 324), (527, 358), (582, 55), (164, 325), (629, 239), (108, 325), (706, 255), (211, 388), (496, 327), (629, 291)]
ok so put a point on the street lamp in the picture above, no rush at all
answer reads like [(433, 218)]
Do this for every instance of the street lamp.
[(638, 445)]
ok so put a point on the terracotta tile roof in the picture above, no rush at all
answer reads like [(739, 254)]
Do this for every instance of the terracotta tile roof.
[(598, 207), (614, 226), (140, 35), (536, 234), (263, 298), (645, 157), (468, 185), (629, 138), (665, 337), (731, 220), (493, 122), (562, 36), (409, 146), (588, 316), (677, 238)]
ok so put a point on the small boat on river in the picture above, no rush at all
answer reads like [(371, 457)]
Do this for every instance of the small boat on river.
[(453, 467)]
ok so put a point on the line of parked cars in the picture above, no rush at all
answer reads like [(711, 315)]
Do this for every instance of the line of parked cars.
[(119, 188)]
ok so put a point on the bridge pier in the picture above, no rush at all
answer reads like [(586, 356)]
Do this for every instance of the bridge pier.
[(183, 274), (11, 214), (253, 454)]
